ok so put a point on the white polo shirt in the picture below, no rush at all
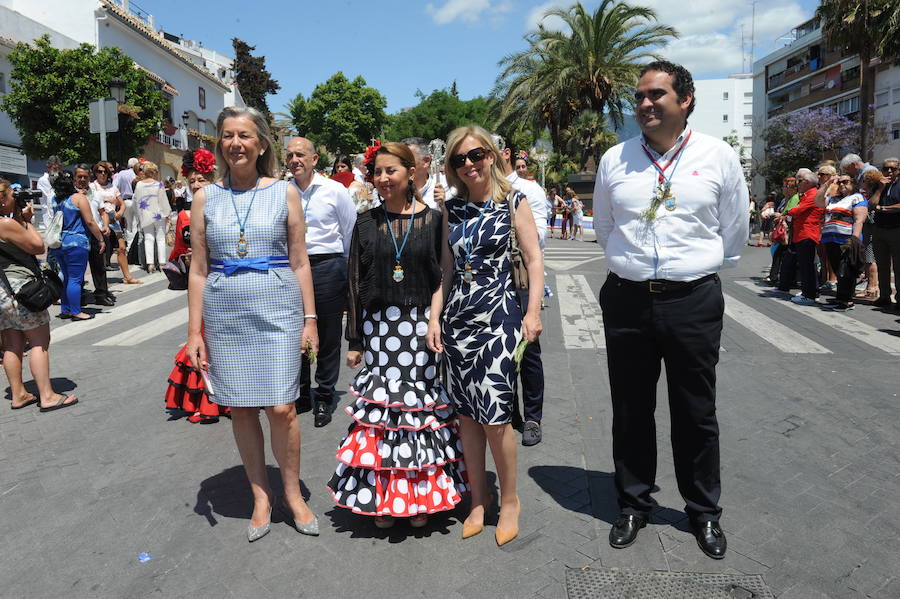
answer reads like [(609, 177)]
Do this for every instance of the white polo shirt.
[(537, 200)]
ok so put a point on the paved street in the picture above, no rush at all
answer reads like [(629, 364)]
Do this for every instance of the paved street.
[(807, 407)]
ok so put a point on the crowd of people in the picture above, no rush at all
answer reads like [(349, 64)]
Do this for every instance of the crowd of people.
[(435, 278), (835, 229)]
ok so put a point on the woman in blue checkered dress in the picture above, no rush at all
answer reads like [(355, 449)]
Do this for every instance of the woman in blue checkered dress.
[(254, 296)]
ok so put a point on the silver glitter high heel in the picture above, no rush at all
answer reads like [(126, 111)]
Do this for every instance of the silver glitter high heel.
[(255, 533), (310, 528)]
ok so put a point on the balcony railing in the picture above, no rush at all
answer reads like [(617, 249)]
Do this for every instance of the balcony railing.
[(173, 141)]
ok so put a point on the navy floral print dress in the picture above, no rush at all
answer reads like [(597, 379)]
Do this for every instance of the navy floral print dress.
[(482, 322)]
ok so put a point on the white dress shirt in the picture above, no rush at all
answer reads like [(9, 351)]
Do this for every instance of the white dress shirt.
[(537, 200), (427, 193), (330, 215), (47, 194), (705, 232), (358, 176)]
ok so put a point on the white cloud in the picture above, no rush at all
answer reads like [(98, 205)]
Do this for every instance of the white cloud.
[(705, 54), (471, 11), (536, 15), (696, 17)]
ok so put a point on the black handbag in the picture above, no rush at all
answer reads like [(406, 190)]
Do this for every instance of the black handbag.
[(42, 290)]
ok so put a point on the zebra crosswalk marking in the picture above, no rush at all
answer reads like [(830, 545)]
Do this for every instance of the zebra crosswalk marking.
[(148, 330), (124, 311), (783, 338), (842, 323), (582, 320)]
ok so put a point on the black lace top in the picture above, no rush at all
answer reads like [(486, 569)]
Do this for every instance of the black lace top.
[(371, 286)]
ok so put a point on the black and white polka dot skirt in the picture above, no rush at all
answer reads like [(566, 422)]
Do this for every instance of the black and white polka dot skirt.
[(402, 455)]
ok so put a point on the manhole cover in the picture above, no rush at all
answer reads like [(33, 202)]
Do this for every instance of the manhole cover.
[(598, 583)]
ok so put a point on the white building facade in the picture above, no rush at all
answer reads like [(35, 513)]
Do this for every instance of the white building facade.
[(887, 112), (197, 82), (724, 108)]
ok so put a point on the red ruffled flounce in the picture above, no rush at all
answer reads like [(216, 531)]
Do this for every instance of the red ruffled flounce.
[(187, 392)]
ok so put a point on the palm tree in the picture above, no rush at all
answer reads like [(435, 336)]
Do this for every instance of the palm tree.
[(870, 28), (588, 137), (593, 64)]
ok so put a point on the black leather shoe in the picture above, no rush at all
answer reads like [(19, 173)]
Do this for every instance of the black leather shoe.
[(711, 539), (322, 413), (624, 532), (531, 433), (103, 300)]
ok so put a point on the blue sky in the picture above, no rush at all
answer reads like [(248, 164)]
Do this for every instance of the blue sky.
[(402, 46)]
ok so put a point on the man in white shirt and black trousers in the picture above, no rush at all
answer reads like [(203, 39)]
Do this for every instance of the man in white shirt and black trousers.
[(532, 370), (330, 215), (670, 210)]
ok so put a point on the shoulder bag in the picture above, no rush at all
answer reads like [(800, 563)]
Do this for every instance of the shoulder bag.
[(519, 271), (41, 291), (53, 233)]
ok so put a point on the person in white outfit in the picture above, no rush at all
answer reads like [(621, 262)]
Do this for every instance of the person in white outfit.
[(152, 207)]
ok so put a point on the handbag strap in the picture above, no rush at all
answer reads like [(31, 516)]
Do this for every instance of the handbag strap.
[(513, 236), (35, 268)]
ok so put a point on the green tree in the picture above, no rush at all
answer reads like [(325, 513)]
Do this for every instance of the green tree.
[(870, 28), (340, 114), (49, 94), (592, 64), (436, 115), (253, 80)]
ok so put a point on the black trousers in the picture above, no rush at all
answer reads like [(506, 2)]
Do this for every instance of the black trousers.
[(98, 268), (683, 329), (330, 285), (800, 260), (886, 244), (531, 375), (839, 258)]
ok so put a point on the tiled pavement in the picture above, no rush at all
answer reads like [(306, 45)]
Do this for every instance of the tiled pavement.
[(810, 472)]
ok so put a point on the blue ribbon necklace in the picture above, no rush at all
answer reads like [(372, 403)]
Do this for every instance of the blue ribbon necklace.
[(398, 274), (468, 238), (243, 248)]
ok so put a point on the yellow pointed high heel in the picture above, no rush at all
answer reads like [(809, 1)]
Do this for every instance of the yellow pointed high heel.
[(470, 530)]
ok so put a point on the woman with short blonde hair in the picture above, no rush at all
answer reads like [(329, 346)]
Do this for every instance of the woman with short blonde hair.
[(152, 206)]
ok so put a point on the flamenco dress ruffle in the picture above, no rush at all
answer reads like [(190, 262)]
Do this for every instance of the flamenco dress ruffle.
[(402, 455), (187, 392)]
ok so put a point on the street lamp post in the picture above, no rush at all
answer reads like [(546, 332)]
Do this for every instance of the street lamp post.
[(117, 93)]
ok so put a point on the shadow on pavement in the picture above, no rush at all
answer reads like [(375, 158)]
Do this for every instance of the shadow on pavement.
[(227, 494), (566, 485), (59, 384)]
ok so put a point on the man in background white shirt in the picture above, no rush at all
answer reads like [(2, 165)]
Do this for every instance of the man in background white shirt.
[(45, 186), (423, 179), (670, 210), (532, 370), (330, 215)]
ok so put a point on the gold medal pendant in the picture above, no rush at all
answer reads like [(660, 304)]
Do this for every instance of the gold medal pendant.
[(398, 273), (669, 202), (468, 275), (243, 248)]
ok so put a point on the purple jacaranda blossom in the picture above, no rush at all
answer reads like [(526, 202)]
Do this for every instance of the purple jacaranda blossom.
[(803, 139)]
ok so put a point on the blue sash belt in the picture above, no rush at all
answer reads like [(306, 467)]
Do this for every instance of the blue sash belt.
[(230, 267)]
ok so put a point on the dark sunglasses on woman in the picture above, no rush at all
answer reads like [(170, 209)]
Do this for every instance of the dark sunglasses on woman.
[(474, 155)]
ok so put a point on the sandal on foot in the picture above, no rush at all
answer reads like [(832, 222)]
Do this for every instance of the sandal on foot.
[(60, 404), (28, 402)]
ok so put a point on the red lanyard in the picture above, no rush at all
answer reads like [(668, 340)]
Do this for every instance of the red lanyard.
[(662, 169)]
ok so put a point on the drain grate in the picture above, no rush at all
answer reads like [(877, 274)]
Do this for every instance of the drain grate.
[(599, 583)]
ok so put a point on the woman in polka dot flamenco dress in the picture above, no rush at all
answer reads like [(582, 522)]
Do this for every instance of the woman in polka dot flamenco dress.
[(401, 456)]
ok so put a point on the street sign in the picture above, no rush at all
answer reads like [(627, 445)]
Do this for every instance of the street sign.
[(110, 112)]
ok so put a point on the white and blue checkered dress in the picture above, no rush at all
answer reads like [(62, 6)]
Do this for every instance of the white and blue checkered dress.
[(253, 319)]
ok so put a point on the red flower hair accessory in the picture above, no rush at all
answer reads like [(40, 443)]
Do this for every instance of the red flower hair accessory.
[(202, 161), (369, 160)]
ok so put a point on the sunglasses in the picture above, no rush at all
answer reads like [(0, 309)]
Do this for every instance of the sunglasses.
[(474, 155), (823, 174), (843, 181), (890, 168)]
